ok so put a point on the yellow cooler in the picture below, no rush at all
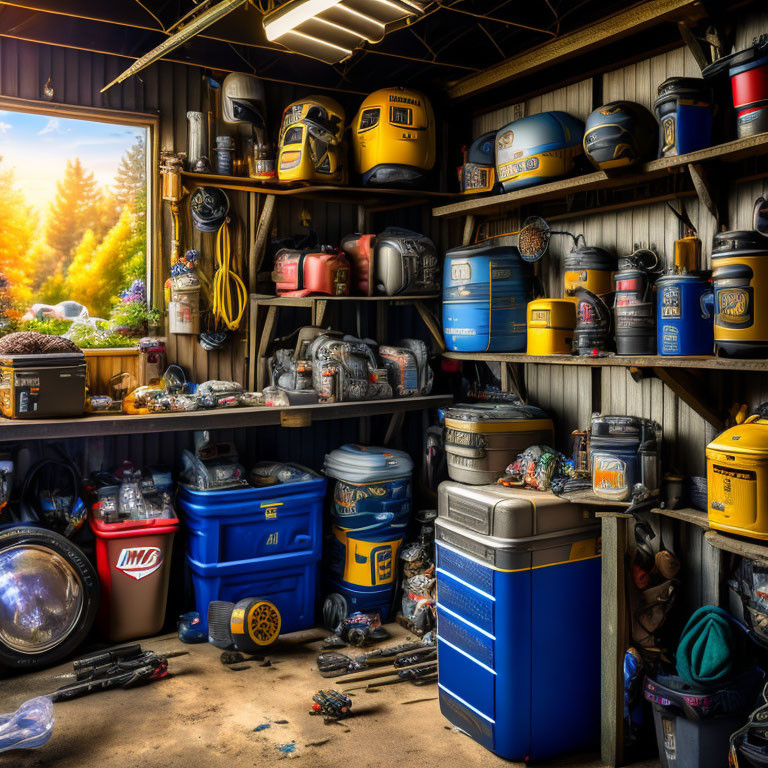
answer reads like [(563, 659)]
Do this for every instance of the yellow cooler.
[(737, 479), (550, 326)]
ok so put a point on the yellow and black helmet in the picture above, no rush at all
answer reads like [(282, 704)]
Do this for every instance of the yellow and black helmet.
[(311, 141), (393, 137)]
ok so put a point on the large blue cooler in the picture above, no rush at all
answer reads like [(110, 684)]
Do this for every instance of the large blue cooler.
[(486, 290), (369, 519), (518, 600), (256, 542)]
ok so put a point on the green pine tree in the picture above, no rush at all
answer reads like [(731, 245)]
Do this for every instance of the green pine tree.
[(131, 176)]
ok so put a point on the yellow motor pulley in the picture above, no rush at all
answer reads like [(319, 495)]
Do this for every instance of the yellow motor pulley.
[(230, 295)]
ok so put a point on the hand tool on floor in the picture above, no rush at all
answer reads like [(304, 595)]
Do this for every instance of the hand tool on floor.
[(410, 674), (382, 673), (332, 663)]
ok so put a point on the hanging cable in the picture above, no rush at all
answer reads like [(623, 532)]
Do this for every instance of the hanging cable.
[(224, 300)]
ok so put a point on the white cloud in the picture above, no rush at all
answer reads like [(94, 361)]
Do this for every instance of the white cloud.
[(52, 126), (4, 128)]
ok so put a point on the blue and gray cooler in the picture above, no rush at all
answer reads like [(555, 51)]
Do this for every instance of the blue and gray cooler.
[(518, 594), (369, 518)]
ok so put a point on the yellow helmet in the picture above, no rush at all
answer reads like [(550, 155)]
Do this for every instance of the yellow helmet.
[(310, 145), (394, 138)]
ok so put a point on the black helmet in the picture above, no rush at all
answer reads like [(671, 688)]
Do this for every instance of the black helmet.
[(620, 134), (209, 206)]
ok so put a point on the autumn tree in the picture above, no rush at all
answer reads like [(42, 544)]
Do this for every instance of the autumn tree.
[(75, 209), (18, 226)]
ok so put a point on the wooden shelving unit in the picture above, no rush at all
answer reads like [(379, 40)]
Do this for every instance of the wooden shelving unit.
[(225, 418), (617, 361), (496, 205), (686, 514), (369, 197)]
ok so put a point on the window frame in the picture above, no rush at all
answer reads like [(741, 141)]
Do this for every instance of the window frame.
[(146, 120)]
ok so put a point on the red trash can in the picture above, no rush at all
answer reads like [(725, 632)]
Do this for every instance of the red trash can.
[(133, 559)]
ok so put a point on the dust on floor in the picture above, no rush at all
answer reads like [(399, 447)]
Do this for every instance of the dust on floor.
[(206, 715)]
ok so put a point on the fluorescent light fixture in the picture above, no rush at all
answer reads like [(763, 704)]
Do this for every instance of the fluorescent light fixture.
[(330, 30)]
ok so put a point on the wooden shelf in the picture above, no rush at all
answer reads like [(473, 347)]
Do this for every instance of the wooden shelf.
[(225, 418), (370, 197), (617, 361), (686, 514), (753, 549), (499, 204), (308, 301)]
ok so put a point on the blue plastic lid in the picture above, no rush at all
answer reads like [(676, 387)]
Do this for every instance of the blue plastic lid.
[(365, 464)]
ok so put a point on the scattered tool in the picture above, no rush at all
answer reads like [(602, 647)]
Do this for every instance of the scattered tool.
[(334, 664), (124, 667), (382, 673), (417, 675), (332, 705)]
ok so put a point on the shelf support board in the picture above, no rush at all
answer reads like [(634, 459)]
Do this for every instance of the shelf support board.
[(683, 384)]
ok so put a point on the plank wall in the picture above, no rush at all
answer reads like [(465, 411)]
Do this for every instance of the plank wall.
[(571, 393)]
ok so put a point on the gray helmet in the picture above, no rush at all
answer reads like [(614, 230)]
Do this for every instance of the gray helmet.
[(243, 100)]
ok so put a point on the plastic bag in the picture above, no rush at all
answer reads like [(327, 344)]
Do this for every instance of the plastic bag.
[(29, 727), (536, 467)]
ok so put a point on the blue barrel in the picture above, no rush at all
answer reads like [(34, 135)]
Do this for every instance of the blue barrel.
[(486, 290), (684, 109), (684, 315)]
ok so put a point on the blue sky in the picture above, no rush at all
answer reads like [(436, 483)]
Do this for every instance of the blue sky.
[(38, 147)]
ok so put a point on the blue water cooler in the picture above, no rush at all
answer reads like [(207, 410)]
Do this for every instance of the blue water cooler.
[(518, 596), (685, 310), (486, 290)]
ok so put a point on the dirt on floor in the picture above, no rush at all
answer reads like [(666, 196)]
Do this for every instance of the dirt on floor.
[(206, 715)]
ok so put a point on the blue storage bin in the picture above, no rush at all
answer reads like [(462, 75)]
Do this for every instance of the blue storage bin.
[(486, 290), (288, 581), (518, 591), (247, 523)]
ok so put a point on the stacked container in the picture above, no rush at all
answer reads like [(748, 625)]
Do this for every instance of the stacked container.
[(257, 542), (634, 313), (684, 109), (518, 586), (482, 439), (369, 519)]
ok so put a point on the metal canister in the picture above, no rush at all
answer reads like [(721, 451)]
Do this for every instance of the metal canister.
[(684, 314), (740, 278), (589, 267), (225, 152), (635, 326), (684, 109)]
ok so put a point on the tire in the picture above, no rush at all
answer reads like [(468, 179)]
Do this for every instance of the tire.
[(84, 573)]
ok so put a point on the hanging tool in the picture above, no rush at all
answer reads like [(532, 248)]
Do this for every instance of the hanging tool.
[(412, 674), (688, 247), (227, 307)]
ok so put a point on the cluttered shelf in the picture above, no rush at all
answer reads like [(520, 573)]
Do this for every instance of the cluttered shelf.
[(626, 361), (498, 204), (329, 193), (226, 418), (302, 301)]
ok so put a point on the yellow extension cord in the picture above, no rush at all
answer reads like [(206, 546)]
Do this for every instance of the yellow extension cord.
[(223, 281)]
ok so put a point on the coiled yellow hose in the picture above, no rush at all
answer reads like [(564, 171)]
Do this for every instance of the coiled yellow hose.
[(224, 301)]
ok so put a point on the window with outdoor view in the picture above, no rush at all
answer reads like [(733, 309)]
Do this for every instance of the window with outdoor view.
[(73, 229)]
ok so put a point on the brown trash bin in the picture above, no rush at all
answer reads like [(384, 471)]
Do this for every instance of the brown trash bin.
[(133, 559)]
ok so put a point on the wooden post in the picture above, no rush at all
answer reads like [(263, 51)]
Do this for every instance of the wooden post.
[(613, 640), (469, 229), (259, 241), (262, 374)]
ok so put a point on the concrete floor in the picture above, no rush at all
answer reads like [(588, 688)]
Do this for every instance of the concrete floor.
[(204, 716)]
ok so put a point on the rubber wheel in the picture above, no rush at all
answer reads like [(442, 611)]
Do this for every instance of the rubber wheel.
[(83, 572)]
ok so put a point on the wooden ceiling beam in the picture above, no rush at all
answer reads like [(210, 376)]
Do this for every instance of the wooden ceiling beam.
[(622, 24)]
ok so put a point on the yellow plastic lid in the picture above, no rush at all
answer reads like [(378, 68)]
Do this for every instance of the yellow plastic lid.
[(749, 437)]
